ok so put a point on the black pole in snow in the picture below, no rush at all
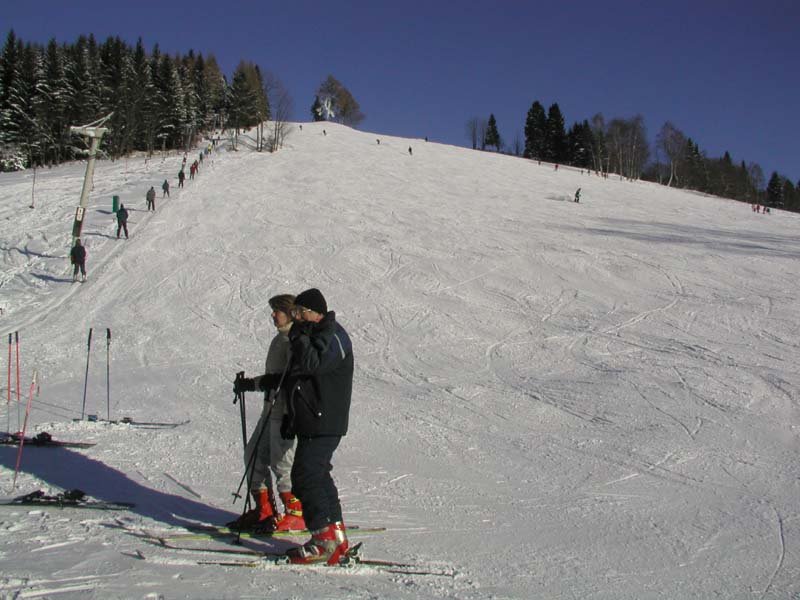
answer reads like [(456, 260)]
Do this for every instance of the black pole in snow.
[(86, 377), (108, 373)]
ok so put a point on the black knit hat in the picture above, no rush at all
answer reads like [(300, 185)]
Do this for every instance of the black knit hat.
[(312, 299)]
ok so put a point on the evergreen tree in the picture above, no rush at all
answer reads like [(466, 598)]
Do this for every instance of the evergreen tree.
[(492, 135), (556, 137), (60, 98), (790, 199), (248, 102), (774, 191), (579, 145), (9, 72), (535, 132)]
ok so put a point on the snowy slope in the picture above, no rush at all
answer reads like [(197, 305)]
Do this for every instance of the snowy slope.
[(552, 400)]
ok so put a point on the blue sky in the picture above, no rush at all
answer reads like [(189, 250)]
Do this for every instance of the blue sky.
[(725, 72)]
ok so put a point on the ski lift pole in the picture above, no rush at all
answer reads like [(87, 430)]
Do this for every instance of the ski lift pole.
[(108, 373), (94, 132), (86, 377)]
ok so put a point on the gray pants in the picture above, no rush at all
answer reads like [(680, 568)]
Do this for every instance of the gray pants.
[(273, 452)]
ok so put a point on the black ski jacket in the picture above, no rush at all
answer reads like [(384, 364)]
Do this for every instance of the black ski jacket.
[(77, 255), (320, 378)]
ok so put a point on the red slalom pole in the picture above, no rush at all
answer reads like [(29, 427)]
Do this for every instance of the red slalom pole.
[(24, 428)]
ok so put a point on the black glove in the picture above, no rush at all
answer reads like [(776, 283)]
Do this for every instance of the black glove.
[(244, 384)]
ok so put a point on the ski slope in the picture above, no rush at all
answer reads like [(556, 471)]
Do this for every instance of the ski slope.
[(551, 400)]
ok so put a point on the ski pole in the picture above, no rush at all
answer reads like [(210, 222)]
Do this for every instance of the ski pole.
[(240, 398), (86, 377), (24, 428), (8, 405), (108, 373), (19, 399)]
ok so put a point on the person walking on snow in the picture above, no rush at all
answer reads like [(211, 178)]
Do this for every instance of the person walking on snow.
[(578, 195), (151, 199), (165, 188), (122, 220), (181, 178), (77, 256), (267, 449)]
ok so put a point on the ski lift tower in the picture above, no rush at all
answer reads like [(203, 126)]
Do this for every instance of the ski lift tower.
[(94, 132)]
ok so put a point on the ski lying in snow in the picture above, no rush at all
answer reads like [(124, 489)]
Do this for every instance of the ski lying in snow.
[(205, 532), (42, 439), (152, 424), (141, 424), (67, 499), (353, 559)]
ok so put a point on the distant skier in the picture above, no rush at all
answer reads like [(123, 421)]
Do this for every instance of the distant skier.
[(122, 220), (410, 153), (165, 188), (578, 195), (77, 256), (151, 198), (181, 178)]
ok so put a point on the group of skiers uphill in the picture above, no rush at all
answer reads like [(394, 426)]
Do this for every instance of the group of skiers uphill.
[(307, 385)]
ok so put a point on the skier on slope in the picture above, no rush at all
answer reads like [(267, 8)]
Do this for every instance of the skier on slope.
[(320, 380), (151, 198), (165, 188), (77, 257), (271, 450), (122, 220)]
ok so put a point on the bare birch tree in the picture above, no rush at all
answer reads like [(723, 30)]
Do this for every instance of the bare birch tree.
[(672, 141), (281, 105)]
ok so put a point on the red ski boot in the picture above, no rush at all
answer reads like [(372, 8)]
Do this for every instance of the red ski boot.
[(261, 518), (327, 545), (293, 519)]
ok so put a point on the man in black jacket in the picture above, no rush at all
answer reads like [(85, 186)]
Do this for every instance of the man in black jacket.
[(77, 257), (320, 380), (122, 220)]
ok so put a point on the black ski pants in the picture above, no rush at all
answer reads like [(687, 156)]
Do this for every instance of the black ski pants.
[(312, 482)]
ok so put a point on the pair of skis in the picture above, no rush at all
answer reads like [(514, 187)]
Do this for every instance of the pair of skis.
[(259, 559), (353, 559), (108, 373)]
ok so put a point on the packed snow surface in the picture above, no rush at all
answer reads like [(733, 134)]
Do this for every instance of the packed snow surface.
[(551, 400)]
